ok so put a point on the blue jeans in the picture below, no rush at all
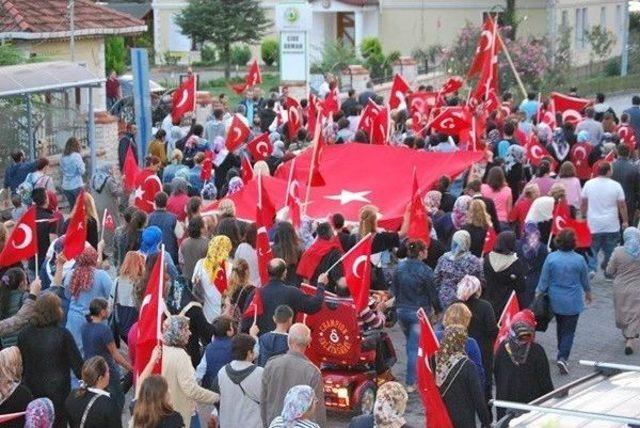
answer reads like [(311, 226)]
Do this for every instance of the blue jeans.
[(71, 196), (411, 328), (566, 331), (605, 242), (115, 388)]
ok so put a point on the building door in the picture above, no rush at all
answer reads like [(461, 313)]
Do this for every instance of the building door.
[(346, 28)]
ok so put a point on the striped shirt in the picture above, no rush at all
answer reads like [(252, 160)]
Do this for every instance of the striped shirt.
[(279, 423)]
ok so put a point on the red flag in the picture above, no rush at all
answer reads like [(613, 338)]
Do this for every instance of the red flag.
[(256, 307), (150, 319), (452, 84), (316, 178), (263, 250), (76, 234), (436, 412), (422, 102), (610, 157), (291, 102), (312, 114), (357, 272), (130, 170), (561, 214), (260, 148), (108, 223), (238, 132), (452, 121), (207, 166), (220, 280), (561, 103), (487, 45), (489, 241), (293, 201), (583, 232), (239, 88), (294, 122), (535, 153), (380, 130), (22, 243), (246, 171), (147, 186), (266, 211), (330, 104), (504, 323), (549, 118), (369, 114), (399, 89), (184, 99), (579, 155), (254, 77), (419, 227), (627, 136)]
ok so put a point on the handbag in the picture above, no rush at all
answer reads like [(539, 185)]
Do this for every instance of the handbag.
[(541, 308), (121, 318)]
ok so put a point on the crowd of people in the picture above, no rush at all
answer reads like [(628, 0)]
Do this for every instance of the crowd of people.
[(69, 334)]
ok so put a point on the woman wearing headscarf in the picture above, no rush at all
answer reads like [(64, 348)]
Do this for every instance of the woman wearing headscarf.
[(170, 171), (86, 283), (177, 369), (624, 266), (14, 395), (459, 212), (441, 221), (541, 214), (458, 382), (224, 160), (177, 202), (107, 191), (514, 169), (210, 276), (559, 147), (277, 156), (150, 241), (299, 406), (40, 414), (388, 409), (483, 326), (503, 272), (521, 367), (532, 252), (454, 265)]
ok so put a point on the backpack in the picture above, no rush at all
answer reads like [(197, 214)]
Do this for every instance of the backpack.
[(25, 188)]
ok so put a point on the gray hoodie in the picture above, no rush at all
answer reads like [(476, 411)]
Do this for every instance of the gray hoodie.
[(239, 384)]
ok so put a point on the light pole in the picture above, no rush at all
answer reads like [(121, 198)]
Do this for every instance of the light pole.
[(624, 56), (72, 28)]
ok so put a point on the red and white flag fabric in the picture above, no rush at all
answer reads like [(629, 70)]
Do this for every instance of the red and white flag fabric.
[(220, 280), (22, 243), (312, 114), (246, 170), (422, 102), (368, 116), (452, 84), (452, 121), (627, 136), (579, 155), (108, 222), (207, 166), (357, 272), (256, 306), (260, 148), (399, 89), (485, 48), (293, 201), (331, 103), (148, 184), (266, 211), (561, 103), (489, 241), (535, 153), (436, 413), (582, 231), (294, 122), (315, 177), (76, 235), (561, 214), (291, 102), (184, 99), (254, 77), (381, 127), (130, 170), (419, 227), (238, 132), (150, 319), (504, 323)]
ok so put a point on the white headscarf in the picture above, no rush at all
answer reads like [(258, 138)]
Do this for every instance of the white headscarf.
[(541, 210)]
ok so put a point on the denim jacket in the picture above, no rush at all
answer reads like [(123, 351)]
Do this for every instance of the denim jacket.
[(414, 287)]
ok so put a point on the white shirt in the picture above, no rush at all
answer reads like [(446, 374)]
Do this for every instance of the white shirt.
[(212, 306), (603, 195), (246, 252)]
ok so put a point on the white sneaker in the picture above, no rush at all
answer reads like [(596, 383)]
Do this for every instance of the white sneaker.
[(562, 366)]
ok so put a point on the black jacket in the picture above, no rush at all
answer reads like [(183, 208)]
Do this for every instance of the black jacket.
[(491, 210), (484, 329), (102, 414), (499, 285), (276, 293), (628, 175), (462, 394)]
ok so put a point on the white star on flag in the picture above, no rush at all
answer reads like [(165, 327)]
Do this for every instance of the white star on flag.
[(138, 193), (347, 196)]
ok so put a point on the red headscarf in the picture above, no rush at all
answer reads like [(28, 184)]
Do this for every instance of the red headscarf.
[(82, 277)]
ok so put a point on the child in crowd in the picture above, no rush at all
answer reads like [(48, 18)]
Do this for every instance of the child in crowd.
[(275, 342), (218, 352), (18, 208)]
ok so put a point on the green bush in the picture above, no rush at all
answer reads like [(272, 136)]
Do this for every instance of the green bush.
[(115, 54), (170, 58), (612, 68), (370, 46), (209, 55), (335, 56), (240, 54), (269, 51), (378, 64)]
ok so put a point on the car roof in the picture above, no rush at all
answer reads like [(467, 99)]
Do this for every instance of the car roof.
[(153, 86), (617, 395)]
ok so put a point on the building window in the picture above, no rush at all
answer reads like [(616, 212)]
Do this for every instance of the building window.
[(581, 27), (603, 17), (585, 26), (619, 21), (564, 23)]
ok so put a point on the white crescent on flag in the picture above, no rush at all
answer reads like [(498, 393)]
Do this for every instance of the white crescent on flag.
[(263, 148), (359, 260), (28, 236), (536, 152), (183, 98), (579, 159), (569, 115), (560, 223), (485, 35)]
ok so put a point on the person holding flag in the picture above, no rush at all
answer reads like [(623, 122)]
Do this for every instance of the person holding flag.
[(565, 280)]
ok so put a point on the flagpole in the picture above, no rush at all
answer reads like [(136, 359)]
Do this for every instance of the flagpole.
[(36, 265), (538, 118), (160, 298), (347, 253), (473, 130), (513, 67), (104, 217), (493, 55), (316, 136), (292, 167), (504, 311)]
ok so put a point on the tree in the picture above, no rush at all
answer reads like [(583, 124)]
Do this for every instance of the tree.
[(223, 23), (115, 54), (509, 19)]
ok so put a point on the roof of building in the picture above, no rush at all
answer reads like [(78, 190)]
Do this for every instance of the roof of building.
[(136, 9), (45, 77), (43, 19), (357, 2)]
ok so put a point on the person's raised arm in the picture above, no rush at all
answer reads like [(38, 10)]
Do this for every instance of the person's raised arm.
[(156, 354), (311, 304)]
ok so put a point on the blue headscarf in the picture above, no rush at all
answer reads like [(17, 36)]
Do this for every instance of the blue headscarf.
[(631, 237), (151, 239), (531, 240)]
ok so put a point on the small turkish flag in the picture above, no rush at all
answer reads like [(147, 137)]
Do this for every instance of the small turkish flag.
[(422, 102), (437, 414), (369, 113), (147, 186), (255, 307), (561, 215), (316, 178), (150, 319), (239, 88), (312, 114), (22, 243), (130, 170), (184, 99), (260, 148), (627, 136), (452, 84), (579, 155), (419, 227), (380, 130), (561, 103), (207, 166), (294, 122), (76, 235), (489, 241), (451, 121), (291, 102), (504, 324), (220, 280), (108, 223), (330, 105), (246, 171), (582, 231), (266, 211), (357, 272), (238, 132), (399, 89), (293, 202), (535, 153), (485, 48), (254, 77), (610, 157)]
